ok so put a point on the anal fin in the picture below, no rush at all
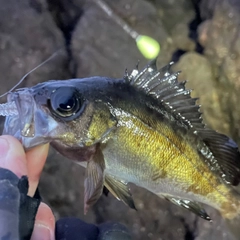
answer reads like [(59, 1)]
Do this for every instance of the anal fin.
[(191, 206), (120, 190)]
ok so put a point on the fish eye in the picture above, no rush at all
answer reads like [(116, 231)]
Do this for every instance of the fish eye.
[(65, 102)]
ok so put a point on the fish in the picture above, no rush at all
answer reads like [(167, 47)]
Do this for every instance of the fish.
[(144, 128)]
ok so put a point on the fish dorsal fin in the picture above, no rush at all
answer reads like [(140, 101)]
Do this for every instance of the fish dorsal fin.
[(164, 86), (226, 152), (120, 190), (190, 205)]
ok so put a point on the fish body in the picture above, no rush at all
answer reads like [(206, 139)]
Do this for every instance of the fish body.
[(144, 129)]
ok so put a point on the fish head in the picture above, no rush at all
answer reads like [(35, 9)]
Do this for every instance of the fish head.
[(71, 112)]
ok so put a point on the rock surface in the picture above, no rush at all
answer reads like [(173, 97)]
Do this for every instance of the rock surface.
[(30, 31), (28, 36)]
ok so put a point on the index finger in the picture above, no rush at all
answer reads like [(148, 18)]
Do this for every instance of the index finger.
[(36, 159), (14, 158), (12, 155)]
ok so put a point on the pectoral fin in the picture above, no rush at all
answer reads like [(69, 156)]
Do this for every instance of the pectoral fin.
[(94, 180), (191, 206), (120, 190)]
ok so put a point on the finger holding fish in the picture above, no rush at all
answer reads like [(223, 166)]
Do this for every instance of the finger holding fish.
[(14, 158)]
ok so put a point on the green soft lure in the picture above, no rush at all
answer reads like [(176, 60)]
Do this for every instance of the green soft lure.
[(148, 46)]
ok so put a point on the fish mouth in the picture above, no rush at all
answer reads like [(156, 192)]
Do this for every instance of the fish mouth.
[(31, 124)]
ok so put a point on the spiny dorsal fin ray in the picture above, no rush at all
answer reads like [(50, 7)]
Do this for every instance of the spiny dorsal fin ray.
[(164, 86)]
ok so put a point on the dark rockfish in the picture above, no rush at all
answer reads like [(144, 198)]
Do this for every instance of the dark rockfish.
[(144, 129)]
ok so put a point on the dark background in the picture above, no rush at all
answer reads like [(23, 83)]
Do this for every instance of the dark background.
[(201, 36)]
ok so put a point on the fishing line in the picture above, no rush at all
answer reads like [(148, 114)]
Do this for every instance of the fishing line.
[(149, 47), (24, 77)]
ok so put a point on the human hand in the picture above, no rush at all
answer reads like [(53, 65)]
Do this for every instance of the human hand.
[(13, 157)]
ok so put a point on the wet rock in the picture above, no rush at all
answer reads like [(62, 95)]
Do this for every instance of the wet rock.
[(66, 15), (102, 47), (220, 38), (208, 7), (174, 12), (180, 36), (176, 17), (28, 36), (199, 73)]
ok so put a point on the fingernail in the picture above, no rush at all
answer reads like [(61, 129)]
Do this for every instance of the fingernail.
[(4, 147), (41, 232)]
